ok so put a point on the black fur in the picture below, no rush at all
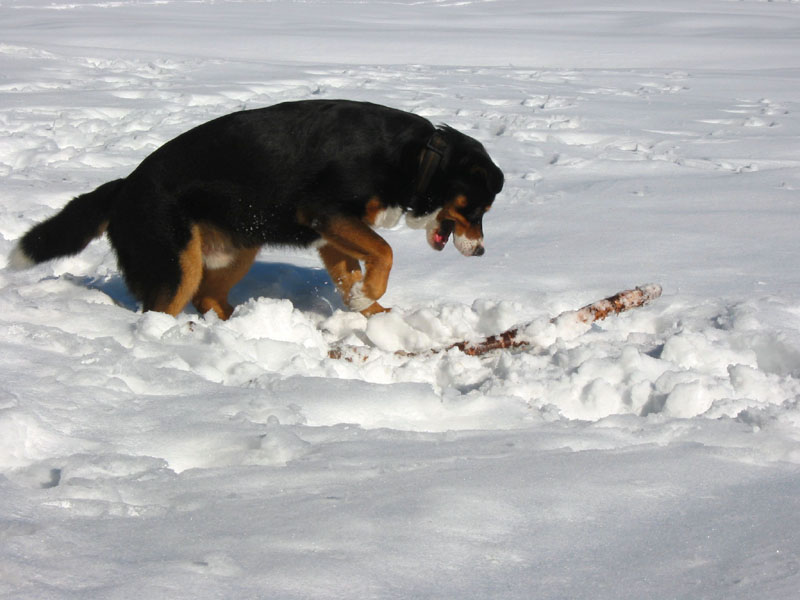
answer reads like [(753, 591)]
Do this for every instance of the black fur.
[(271, 176), (71, 230)]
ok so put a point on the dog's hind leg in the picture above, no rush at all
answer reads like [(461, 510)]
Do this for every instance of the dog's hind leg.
[(348, 241), (212, 294), (190, 265)]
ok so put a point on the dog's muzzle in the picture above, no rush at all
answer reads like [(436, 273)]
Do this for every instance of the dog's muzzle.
[(438, 234), (468, 246)]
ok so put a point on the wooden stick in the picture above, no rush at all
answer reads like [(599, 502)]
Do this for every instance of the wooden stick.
[(513, 338), (596, 311)]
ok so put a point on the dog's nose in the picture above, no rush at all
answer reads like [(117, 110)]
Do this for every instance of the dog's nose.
[(479, 250)]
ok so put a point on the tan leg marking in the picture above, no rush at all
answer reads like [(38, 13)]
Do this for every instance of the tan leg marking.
[(345, 271), (372, 210), (216, 284), (354, 239), (191, 265)]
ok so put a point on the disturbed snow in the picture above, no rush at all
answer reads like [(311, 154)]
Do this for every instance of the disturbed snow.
[(652, 455)]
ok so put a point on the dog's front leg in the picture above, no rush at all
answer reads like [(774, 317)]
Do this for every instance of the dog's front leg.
[(348, 241), (344, 270)]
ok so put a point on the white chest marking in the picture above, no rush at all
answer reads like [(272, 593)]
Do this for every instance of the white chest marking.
[(428, 221), (388, 217)]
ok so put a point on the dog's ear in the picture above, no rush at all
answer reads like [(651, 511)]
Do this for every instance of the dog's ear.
[(479, 171), (490, 174)]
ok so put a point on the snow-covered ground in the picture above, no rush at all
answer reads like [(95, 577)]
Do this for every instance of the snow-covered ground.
[(655, 455)]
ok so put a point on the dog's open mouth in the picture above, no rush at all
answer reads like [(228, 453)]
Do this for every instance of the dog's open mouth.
[(442, 233)]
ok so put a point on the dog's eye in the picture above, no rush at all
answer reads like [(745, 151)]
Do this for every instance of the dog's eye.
[(475, 215)]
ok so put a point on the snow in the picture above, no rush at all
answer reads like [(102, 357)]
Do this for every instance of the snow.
[(655, 454)]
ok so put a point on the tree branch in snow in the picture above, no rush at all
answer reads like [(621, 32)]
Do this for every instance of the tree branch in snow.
[(596, 311), (515, 337)]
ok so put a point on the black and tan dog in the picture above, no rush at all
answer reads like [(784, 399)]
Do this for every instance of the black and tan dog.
[(187, 224)]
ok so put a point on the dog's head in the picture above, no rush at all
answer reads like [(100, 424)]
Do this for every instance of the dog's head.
[(460, 195)]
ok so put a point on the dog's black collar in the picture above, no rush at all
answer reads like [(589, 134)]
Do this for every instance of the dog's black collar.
[(434, 157)]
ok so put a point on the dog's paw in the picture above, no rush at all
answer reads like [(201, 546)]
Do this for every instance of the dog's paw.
[(374, 309)]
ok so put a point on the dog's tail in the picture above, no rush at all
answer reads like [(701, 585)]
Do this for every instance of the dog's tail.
[(68, 231)]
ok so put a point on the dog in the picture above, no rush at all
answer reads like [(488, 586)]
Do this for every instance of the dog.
[(187, 223)]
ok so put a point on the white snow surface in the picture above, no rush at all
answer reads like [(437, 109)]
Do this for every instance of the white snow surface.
[(652, 455)]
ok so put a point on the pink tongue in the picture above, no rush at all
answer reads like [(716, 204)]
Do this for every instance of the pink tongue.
[(439, 238)]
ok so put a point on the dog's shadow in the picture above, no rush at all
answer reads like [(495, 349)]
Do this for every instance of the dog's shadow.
[(308, 289)]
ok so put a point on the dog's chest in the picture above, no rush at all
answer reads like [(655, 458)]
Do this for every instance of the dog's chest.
[(386, 218)]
